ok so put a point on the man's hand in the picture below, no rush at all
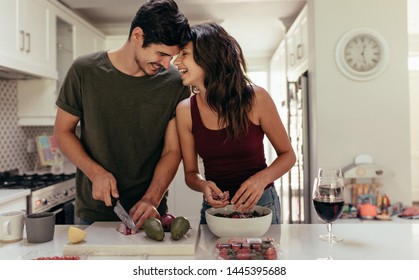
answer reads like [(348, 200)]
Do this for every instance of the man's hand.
[(142, 210), (104, 187)]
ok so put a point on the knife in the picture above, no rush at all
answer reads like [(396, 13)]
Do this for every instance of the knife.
[(122, 214)]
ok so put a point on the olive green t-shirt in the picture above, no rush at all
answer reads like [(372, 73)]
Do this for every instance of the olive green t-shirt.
[(123, 120)]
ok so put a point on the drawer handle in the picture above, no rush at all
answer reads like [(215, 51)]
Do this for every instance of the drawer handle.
[(300, 51), (28, 35), (22, 46)]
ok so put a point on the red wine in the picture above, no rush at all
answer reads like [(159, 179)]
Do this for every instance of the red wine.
[(328, 211)]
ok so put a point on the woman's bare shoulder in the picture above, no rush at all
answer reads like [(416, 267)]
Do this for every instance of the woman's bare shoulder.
[(261, 95), (184, 104)]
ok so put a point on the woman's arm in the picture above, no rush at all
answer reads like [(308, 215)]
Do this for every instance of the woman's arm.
[(193, 178), (265, 113)]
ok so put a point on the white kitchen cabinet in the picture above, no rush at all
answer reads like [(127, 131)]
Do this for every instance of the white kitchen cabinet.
[(36, 102), (86, 40), (25, 44), (297, 46), (278, 76), (71, 37), (13, 200), (14, 205)]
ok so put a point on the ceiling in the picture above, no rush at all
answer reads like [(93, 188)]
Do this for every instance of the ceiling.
[(256, 25)]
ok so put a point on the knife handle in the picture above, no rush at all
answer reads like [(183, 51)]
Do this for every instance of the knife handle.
[(114, 201)]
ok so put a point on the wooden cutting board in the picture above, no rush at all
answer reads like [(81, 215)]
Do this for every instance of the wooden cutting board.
[(103, 240)]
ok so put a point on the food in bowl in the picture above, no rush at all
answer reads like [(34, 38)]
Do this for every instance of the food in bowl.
[(239, 215), (225, 222)]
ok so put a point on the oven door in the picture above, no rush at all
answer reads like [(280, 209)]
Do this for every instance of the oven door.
[(64, 213)]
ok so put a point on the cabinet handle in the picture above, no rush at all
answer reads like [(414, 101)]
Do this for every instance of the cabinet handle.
[(29, 42), (22, 46), (300, 51)]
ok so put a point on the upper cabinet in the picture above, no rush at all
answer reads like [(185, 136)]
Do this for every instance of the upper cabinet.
[(297, 46), (278, 85), (25, 44), (87, 40), (69, 36)]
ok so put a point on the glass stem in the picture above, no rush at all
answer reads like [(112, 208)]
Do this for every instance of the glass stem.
[(329, 230)]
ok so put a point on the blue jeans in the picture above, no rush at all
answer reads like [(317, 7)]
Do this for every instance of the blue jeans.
[(84, 222), (269, 199)]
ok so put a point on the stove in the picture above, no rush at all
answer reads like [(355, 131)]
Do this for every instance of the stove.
[(47, 190)]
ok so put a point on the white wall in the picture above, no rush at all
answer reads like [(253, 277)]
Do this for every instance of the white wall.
[(413, 9), (414, 128), (361, 117)]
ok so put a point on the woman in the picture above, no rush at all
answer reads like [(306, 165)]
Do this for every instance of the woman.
[(224, 122)]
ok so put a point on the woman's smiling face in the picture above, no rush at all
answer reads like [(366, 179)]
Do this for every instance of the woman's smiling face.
[(191, 73)]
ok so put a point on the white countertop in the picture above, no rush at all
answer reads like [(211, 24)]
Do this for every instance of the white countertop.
[(362, 241), (9, 195)]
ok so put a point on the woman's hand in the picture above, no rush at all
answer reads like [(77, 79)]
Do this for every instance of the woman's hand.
[(214, 196), (248, 194)]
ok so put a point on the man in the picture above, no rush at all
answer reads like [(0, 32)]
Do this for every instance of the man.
[(125, 101)]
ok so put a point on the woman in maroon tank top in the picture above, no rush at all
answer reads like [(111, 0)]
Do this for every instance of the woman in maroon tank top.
[(224, 122)]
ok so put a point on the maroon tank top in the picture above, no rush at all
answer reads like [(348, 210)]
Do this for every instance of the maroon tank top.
[(227, 163)]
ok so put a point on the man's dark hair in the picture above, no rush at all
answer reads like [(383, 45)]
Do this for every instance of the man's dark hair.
[(162, 23)]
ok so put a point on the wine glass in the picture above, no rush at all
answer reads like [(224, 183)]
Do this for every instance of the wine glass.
[(328, 202), (331, 172)]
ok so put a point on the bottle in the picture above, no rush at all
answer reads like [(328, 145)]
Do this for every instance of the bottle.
[(384, 205)]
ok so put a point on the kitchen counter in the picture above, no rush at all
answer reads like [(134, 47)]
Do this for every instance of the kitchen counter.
[(378, 241), (13, 200), (10, 195)]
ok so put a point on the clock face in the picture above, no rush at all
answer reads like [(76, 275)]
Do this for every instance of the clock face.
[(362, 53)]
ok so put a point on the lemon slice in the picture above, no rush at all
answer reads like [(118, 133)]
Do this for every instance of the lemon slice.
[(76, 235)]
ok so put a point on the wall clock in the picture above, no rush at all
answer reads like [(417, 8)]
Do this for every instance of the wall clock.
[(362, 54)]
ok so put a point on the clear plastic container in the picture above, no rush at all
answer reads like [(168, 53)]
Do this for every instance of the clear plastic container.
[(242, 248), (50, 255)]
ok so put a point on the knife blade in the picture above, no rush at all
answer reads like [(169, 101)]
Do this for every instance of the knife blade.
[(122, 214)]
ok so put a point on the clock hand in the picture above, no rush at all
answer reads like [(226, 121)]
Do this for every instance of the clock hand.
[(363, 53)]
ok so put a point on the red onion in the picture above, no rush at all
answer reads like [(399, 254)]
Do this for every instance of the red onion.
[(166, 220)]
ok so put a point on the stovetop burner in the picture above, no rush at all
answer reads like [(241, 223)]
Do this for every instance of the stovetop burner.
[(32, 181)]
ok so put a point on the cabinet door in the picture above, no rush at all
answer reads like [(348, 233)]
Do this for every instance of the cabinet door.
[(297, 47), (86, 41), (9, 39), (301, 47), (25, 43), (291, 56), (36, 24)]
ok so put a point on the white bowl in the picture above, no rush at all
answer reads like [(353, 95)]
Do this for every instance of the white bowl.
[(238, 227)]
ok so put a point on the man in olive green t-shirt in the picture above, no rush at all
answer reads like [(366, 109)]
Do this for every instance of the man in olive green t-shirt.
[(125, 101)]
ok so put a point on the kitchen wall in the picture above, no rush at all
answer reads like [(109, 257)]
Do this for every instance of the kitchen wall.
[(413, 10), (361, 117), (13, 138), (414, 129)]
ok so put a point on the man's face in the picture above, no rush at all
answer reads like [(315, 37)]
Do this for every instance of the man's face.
[(155, 56)]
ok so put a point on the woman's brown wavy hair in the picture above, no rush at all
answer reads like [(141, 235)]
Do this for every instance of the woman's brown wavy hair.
[(229, 91)]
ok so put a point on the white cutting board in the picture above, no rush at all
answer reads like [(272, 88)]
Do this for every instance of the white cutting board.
[(103, 240)]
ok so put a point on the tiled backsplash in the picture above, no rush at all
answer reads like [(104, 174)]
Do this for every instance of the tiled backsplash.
[(14, 138)]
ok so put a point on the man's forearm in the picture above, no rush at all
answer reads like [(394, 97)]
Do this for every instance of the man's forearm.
[(164, 173), (72, 148)]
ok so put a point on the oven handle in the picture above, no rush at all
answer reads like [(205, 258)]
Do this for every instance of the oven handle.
[(58, 211)]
